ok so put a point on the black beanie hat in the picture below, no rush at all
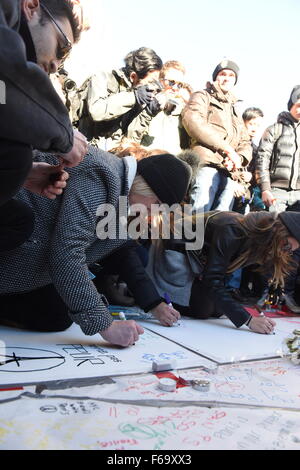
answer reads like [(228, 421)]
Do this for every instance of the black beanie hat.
[(226, 64), (292, 222), (167, 176), (295, 96)]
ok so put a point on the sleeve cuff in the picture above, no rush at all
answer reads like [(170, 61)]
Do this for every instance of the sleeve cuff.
[(93, 321), (153, 305)]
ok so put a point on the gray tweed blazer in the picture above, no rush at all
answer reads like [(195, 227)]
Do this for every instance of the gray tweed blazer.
[(64, 241)]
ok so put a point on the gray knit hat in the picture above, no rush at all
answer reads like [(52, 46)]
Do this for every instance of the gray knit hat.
[(226, 64), (295, 96)]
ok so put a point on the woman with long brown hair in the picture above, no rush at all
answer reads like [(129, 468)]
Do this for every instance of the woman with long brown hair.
[(231, 241)]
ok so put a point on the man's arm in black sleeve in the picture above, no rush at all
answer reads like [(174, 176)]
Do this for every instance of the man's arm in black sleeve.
[(127, 263)]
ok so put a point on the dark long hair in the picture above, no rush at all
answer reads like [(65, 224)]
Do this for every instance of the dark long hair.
[(265, 245)]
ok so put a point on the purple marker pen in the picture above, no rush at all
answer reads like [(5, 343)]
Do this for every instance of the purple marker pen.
[(167, 299), (169, 303)]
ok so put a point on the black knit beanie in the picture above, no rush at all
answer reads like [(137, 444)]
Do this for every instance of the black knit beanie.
[(295, 96), (167, 176), (226, 64), (292, 222)]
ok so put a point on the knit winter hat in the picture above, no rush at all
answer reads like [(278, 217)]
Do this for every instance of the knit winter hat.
[(226, 64), (292, 222), (295, 96), (167, 176)]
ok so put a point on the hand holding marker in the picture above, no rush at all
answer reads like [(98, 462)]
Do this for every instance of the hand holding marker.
[(262, 315), (169, 303)]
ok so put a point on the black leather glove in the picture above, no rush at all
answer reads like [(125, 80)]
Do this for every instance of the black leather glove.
[(143, 95), (153, 107)]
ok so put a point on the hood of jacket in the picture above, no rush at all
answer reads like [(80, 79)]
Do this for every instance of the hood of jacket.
[(121, 76), (286, 119)]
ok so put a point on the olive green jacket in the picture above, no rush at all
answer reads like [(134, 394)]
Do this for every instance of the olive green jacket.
[(110, 110)]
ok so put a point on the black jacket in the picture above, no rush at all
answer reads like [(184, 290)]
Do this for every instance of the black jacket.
[(223, 242), (278, 157), (33, 114)]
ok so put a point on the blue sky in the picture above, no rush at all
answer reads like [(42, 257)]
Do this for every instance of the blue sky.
[(261, 36)]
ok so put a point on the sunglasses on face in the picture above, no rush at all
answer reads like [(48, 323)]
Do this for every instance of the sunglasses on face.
[(173, 83), (62, 52)]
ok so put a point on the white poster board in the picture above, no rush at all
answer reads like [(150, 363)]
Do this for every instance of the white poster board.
[(30, 358), (62, 424), (220, 341)]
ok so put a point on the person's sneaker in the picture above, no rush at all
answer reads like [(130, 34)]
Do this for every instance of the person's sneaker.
[(261, 302), (291, 303)]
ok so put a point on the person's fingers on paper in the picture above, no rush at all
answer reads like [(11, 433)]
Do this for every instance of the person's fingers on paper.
[(122, 333), (140, 329), (261, 325), (166, 314), (135, 335), (176, 314)]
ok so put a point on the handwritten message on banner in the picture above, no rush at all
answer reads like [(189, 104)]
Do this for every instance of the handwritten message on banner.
[(87, 424), (274, 383)]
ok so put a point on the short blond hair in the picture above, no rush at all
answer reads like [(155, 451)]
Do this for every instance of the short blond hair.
[(141, 187)]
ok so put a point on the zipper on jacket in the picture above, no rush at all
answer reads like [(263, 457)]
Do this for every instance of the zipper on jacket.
[(291, 182)]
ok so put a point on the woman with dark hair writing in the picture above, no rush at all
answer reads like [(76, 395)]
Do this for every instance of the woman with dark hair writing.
[(231, 241)]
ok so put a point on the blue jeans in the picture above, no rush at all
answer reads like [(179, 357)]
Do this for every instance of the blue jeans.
[(212, 190)]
